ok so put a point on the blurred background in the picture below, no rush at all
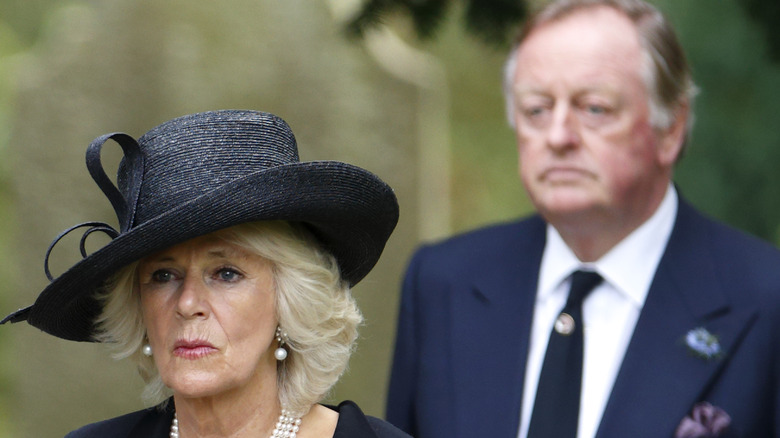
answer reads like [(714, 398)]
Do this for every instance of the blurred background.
[(422, 110)]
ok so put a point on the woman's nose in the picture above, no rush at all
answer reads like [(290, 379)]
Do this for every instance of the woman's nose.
[(192, 301)]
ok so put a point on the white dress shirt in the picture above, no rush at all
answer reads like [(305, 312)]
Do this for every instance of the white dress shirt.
[(610, 312)]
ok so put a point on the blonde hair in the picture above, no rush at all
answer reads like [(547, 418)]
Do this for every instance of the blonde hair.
[(313, 305)]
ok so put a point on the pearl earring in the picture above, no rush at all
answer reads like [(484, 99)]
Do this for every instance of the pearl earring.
[(147, 350), (281, 337)]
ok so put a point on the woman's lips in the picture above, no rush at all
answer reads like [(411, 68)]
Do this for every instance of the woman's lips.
[(192, 349)]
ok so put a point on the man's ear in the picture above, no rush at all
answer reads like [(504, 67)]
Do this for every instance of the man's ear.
[(672, 139)]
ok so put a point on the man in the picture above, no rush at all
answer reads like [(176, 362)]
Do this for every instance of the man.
[(681, 336)]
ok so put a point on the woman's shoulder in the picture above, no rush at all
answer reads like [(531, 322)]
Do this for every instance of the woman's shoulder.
[(353, 423), (151, 422)]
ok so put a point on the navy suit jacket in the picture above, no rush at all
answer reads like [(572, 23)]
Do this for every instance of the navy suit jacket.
[(465, 321)]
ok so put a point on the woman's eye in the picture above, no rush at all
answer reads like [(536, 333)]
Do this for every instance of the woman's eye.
[(162, 276), (228, 274)]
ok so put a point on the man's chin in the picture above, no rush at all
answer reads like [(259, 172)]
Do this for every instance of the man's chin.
[(566, 201)]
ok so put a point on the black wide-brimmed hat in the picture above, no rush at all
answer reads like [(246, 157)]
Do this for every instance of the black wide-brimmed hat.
[(204, 172)]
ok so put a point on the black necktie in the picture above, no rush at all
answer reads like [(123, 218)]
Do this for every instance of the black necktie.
[(557, 406)]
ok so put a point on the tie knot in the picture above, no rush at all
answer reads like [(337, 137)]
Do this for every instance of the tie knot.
[(582, 283)]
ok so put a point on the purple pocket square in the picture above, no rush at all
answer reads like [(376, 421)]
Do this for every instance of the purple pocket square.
[(705, 421)]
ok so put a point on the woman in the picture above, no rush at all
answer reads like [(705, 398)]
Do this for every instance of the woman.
[(228, 281)]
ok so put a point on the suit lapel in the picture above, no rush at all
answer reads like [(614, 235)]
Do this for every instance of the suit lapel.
[(660, 378), (154, 422), (490, 325)]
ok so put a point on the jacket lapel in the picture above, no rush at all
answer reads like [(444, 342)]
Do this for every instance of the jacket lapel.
[(490, 325), (660, 378), (156, 423)]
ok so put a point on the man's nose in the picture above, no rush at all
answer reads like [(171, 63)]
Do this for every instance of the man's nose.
[(562, 133)]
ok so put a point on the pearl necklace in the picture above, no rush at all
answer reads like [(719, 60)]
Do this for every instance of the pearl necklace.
[(286, 427)]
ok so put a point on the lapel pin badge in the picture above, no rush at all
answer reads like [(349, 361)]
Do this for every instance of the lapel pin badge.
[(703, 344)]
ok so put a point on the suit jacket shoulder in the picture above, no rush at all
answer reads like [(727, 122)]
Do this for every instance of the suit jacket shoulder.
[(483, 253), (353, 423), (746, 268), (490, 237)]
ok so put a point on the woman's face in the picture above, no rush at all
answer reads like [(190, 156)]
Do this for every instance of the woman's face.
[(208, 308)]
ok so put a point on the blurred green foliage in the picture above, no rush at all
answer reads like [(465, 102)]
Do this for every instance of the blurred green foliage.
[(730, 168), (492, 20), (766, 13), (10, 45), (495, 21)]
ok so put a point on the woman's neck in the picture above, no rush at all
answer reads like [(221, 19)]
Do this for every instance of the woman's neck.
[(228, 414)]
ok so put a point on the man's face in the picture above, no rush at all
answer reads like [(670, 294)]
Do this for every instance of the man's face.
[(587, 152)]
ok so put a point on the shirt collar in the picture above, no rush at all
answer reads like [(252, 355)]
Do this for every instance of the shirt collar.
[(629, 267)]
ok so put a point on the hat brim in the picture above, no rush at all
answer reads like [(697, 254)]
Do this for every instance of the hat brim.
[(350, 210)]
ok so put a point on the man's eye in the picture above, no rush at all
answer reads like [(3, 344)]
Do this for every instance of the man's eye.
[(596, 109), (533, 111)]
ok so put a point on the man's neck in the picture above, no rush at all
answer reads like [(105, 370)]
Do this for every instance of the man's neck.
[(591, 235)]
